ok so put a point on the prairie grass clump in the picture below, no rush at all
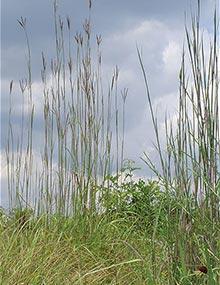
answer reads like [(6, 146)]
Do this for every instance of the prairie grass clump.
[(190, 164), (79, 120)]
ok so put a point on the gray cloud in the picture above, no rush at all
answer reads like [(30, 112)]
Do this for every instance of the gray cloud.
[(107, 16)]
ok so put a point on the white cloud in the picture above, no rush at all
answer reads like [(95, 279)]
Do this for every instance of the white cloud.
[(160, 44), (172, 58)]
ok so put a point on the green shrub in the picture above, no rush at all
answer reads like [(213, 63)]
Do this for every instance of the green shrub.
[(138, 200)]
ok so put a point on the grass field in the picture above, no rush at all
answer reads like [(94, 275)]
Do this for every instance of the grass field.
[(78, 216), (109, 249)]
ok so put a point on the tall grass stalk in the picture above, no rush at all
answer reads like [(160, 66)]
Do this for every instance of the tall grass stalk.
[(79, 121), (190, 165)]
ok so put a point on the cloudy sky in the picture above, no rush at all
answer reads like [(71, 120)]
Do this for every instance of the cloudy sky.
[(157, 27)]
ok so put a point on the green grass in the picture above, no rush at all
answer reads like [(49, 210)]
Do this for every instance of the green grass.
[(81, 250), (104, 249)]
